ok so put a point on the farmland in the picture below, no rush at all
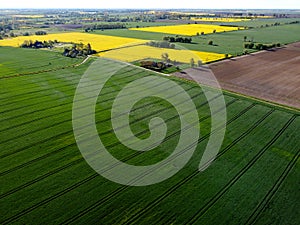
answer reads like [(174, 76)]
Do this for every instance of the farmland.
[(219, 19), (259, 23), (123, 49), (270, 75), (18, 63), (130, 54), (189, 30), (227, 42), (41, 166), (62, 114), (97, 40)]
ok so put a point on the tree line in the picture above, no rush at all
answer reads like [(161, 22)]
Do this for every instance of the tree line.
[(104, 27), (161, 44), (40, 32), (260, 46), (38, 44), (178, 39), (251, 44)]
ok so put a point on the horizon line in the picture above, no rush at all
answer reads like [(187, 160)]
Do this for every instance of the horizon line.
[(292, 9)]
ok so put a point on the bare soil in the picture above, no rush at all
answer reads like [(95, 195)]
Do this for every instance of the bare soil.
[(272, 75)]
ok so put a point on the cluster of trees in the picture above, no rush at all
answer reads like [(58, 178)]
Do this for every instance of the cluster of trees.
[(178, 39), (40, 32), (6, 27), (104, 27), (38, 44), (4, 34), (260, 46), (152, 65), (79, 50), (162, 65), (5, 31), (161, 44), (132, 18)]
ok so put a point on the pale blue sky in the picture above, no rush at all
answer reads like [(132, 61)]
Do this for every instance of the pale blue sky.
[(199, 4)]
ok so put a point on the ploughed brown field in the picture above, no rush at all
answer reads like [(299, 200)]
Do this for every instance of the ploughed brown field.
[(269, 75)]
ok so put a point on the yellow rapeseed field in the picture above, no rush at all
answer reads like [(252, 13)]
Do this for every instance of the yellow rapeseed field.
[(124, 49), (98, 42), (219, 19), (140, 52), (263, 17), (25, 27), (29, 16), (189, 29)]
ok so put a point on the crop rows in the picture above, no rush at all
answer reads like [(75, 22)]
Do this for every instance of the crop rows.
[(35, 122), (48, 173), (80, 183), (240, 174)]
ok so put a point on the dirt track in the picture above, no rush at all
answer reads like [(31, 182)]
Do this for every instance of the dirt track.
[(269, 75)]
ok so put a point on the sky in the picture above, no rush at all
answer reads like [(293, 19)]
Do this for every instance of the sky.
[(197, 4)]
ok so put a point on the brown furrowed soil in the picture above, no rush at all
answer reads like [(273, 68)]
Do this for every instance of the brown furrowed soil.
[(272, 75)]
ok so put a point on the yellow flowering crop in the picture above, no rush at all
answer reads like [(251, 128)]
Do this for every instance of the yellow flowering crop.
[(98, 42), (123, 49), (140, 52), (29, 16), (189, 29)]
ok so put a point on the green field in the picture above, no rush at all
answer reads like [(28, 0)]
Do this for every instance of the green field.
[(22, 62), (44, 178), (228, 42), (261, 22)]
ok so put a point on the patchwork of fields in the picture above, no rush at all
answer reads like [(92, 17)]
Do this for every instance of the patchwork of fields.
[(123, 49), (219, 19), (225, 42), (98, 42), (44, 177), (189, 29)]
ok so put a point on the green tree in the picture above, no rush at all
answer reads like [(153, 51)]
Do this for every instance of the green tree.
[(199, 63), (192, 62), (165, 56), (89, 49)]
